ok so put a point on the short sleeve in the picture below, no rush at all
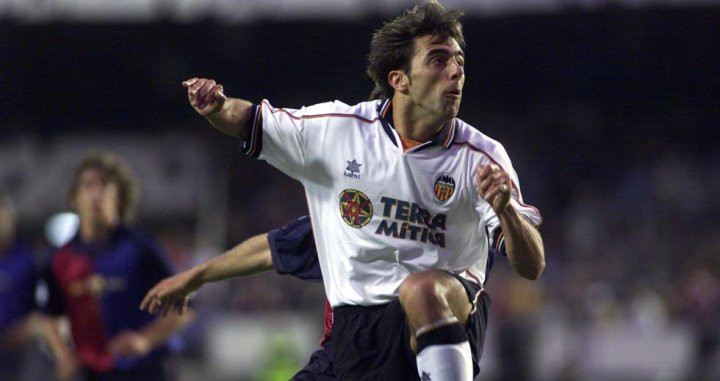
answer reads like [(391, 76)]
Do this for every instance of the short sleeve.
[(281, 136), (276, 135), (293, 250)]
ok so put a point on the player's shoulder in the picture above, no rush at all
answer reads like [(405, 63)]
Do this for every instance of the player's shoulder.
[(20, 249), (368, 109), (363, 111), (473, 140), (137, 238)]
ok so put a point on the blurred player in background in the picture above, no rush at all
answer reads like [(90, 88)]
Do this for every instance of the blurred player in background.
[(18, 277), (289, 250), (98, 279), (406, 200)]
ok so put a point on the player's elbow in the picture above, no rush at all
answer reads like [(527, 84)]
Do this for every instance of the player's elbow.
[(532, 270)]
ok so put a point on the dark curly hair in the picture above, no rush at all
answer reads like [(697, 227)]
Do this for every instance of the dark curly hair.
[(393, 45), (113, 170)]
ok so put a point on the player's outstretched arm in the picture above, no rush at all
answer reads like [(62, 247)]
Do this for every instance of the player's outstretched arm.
[(138, 343), (523, 243), (229, 115), (249, 257), (66, 362)]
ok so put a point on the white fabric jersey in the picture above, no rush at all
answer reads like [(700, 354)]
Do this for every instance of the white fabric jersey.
[(378, 213)]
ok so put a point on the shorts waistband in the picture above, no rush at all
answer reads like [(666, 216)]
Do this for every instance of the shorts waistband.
[(352, 308)]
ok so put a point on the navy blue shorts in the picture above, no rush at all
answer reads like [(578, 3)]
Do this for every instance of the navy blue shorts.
[(373, 343), (319, 368), (152, 371)]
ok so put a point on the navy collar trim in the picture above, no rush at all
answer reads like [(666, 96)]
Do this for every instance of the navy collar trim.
[(444, 137)]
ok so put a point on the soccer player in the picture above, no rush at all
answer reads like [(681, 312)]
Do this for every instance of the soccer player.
[(289, 250), (17, 294), (101, 275), (405, 199)]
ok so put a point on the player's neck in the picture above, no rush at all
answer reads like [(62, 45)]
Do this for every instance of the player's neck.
[(95, 233), (413, 122)]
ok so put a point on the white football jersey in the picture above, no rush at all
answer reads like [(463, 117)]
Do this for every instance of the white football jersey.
[(379, 213)]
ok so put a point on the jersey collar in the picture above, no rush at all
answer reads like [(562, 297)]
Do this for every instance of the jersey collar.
[(444, 137), (90, 247)]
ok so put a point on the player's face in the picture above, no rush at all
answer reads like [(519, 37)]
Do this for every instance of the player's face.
[(437, 76), (97, 199)]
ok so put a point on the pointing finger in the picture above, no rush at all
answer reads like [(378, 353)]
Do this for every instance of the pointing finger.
[(165, 308), (189, 82), (196, 85), (203, 92), (184, 305), (145, 304), (193, 90), (154, 304)]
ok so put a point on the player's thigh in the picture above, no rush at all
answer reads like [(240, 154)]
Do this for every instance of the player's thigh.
[(429, 296)]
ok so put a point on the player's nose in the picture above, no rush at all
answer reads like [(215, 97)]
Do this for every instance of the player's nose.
[(458, 71)]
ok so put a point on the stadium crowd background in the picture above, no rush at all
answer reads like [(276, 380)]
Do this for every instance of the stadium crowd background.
[(610, 110)]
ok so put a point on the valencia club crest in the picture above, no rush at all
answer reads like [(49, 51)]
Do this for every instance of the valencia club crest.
[(355, 208), (444, 187)]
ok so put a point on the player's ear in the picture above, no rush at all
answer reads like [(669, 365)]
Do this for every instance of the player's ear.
[(398, 80)]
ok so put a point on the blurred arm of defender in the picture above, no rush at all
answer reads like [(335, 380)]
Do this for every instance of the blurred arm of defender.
[(228, 115), (67, 364), (138, 343), (249, 257)]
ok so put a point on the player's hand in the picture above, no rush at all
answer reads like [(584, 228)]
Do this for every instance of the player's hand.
[(170, 294), (205, 96), (130, 344), (494, 186)]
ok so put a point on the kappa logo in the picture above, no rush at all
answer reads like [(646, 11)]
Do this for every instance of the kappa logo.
[(355, 208), (353, 169), (444, 187)]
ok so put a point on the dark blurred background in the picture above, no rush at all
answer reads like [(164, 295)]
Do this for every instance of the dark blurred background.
[(610, 111)]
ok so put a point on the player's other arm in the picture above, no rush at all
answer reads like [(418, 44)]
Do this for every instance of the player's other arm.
[(523, 243), (19, 332), (138, 343), (249, 257), (228, 115), (66, 362)]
